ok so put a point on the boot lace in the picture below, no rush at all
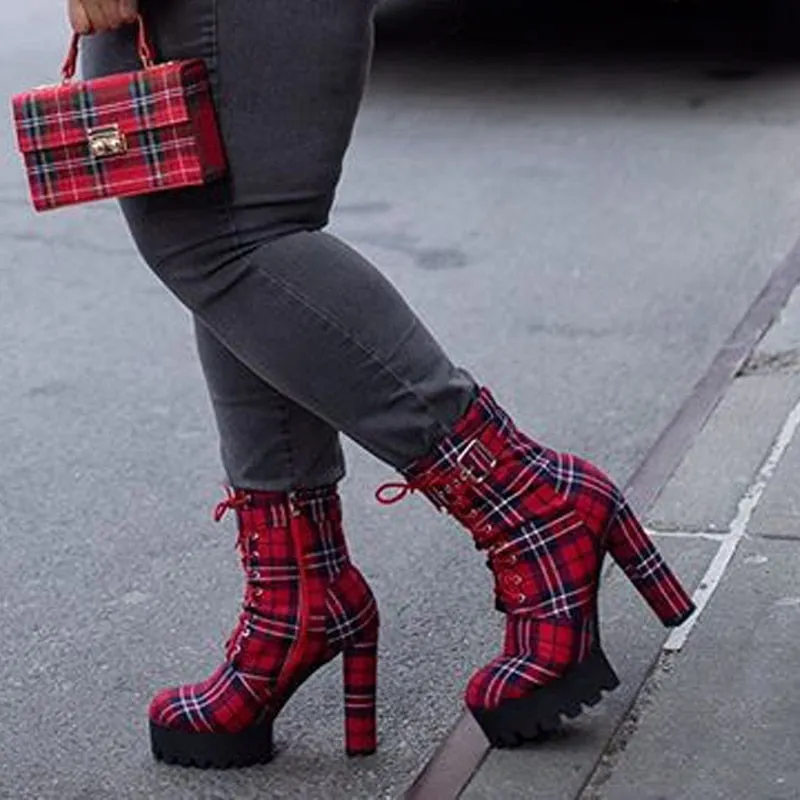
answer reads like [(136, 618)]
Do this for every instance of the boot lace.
[(235, 501), (447, 493), (435, 487), (393, 492)]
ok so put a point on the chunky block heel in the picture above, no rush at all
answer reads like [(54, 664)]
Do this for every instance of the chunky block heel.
[(360, 672), (633, 550)]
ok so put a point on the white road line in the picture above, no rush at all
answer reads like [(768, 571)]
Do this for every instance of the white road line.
[(738, 529), (710, 536)]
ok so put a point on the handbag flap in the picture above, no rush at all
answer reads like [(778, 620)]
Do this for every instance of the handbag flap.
[(147, 100)]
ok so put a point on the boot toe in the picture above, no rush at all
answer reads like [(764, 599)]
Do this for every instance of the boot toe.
[(215, 704), (504, 678), (168, 709)]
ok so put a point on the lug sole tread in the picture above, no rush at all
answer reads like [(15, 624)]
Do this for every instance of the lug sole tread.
[(534, 718), (248, 748)]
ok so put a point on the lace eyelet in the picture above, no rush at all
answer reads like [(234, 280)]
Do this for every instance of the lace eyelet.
[(511, 579)]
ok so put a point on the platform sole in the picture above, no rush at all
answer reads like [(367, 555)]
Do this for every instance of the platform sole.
[(527, 719), (213, 750)]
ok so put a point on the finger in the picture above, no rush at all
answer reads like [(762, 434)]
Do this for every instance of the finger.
[(102, 14), (78, 18), (128, 10)]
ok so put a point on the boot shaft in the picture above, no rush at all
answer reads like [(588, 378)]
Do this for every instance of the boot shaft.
[(497, 481), (292, 549), (488, 474), (280, 532), (546, 518)]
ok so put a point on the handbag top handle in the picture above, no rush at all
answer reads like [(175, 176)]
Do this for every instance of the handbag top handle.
[(143, 47)]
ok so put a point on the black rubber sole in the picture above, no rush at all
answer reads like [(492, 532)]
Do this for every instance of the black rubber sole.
[(213, 750), (530, 718), (678, 621)]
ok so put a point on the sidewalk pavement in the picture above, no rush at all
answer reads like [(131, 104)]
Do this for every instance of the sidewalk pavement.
[(712, 710)]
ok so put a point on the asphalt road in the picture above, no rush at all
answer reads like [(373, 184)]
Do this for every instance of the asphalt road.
[(581, 208)]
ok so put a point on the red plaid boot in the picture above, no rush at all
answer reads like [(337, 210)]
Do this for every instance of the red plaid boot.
[(546, 521), (304, 604)]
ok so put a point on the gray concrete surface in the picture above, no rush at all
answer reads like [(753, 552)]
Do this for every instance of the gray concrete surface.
[(736, 440), (704, 493), (721, 720), (582, 230), (781, 341), (778, 517)]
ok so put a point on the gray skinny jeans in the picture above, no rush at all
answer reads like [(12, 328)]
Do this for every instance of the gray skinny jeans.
[(300, 338)]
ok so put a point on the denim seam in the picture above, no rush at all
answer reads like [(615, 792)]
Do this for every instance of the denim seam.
[(287, 439), (226, 181)]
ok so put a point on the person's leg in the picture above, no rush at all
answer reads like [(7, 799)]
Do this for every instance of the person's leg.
[(313, 319), (304, 602), (267, 441), (304, 312)]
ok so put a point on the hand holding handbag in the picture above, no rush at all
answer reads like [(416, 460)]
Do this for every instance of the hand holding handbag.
[(121, 135)]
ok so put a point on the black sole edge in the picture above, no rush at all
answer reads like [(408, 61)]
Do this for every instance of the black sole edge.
[(533, 718), (678, 621), (361, 753), (249, 748)]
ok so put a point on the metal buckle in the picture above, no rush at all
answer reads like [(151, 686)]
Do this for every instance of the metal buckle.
[(107, 141), (466, 472)]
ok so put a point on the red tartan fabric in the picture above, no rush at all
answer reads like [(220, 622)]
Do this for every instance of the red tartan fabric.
[(165, 115), (304, 604), (546, 519), (535, 652)]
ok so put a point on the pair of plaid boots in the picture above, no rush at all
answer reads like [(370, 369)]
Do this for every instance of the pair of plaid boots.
[(545, 520)]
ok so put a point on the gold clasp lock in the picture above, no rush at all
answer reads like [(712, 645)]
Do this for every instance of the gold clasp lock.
[(107, 141)]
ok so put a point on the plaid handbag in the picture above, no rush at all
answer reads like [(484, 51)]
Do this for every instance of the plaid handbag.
[(121, 135)]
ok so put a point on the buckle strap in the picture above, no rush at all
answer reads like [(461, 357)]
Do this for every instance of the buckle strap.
[(476, 461), (473, 464)]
